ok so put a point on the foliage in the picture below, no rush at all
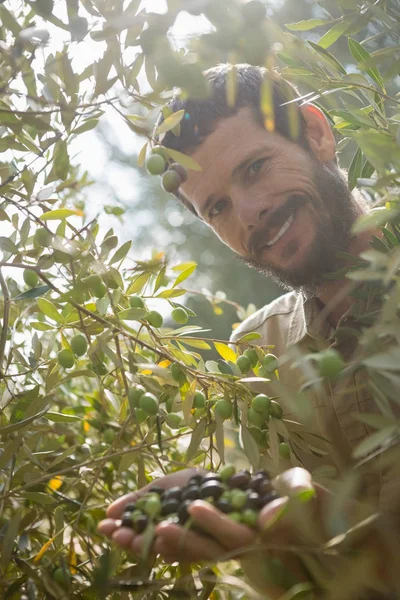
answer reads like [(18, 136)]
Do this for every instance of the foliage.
[(72, 437)]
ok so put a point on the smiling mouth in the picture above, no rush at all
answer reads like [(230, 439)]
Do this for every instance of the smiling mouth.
[(282, 231)]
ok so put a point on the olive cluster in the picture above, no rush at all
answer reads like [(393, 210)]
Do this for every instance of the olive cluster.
[(237, 494), (172, 175)]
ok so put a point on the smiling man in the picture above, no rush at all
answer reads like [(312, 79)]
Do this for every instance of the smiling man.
[(272, 191)]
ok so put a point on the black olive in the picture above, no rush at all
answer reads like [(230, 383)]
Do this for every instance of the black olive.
[(130, 507), (169, 506), (211, 489), (190, 493), (183, 514), (253, 501), (265, 487), (174, 492), (195, 479), (126, 520), (263, 472), (267, 498), (240, 480), (256, 481), (211, 477), (140, 524), (224, 506), (156, 489)]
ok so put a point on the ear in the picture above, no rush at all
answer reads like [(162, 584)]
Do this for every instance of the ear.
[(319, 133)]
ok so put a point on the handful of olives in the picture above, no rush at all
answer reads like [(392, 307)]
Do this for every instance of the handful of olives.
[(238, 494)]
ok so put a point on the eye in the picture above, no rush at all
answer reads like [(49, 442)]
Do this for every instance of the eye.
[(255, 168), (217, 208)]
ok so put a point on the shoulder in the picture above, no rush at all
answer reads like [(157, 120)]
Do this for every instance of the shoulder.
[(274, 316)]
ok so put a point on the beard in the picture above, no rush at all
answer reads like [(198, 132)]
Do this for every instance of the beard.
[(334, 213)]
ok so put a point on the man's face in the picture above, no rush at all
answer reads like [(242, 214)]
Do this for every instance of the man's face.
[(271, 201)]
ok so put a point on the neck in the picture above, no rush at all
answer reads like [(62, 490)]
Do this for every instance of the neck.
[(334, 295)]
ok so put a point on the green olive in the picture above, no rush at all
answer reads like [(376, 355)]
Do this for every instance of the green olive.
[(284, 450), (252, 355), (149, 403), (244, 363), (43, 237), (134, 395), (154, 319), (136, 302), (270, 363), (173, 420), (79, 344), (180, 315), (155, 164), (199, 400), (66, 358), (171, 181), (276, 410), (255, 418), (330, 363), (109, 435), (31, 278), (223, 408), (261, 403)]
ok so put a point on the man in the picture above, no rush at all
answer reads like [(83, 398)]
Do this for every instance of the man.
[(271, 190)]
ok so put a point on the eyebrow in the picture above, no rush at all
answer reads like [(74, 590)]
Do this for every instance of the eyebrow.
[(240, 167)]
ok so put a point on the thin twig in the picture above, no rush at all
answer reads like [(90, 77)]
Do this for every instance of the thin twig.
[(6, 314)]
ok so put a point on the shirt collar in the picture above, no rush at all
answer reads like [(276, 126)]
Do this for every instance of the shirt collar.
[(305, 321)]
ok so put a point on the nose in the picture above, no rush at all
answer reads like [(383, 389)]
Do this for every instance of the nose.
[(251, 211)]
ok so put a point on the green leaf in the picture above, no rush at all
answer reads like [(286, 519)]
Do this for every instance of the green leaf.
[(41, 326), (8, 246), (87, 126), (195, 440), (183, 159), (306, 25), (58, 215), (39, 498), (355, 169), (248, 337), (48, 309), (174, 293), (170, 122), (7, 545), (329, 57), (138, 283), (331, 36), (363, 57), (61, 159), (132, 314), (56, 417), (21, 424), (250, 447), (33, 293), (121, 252), (184, 275), (375, 440), (373, 220)]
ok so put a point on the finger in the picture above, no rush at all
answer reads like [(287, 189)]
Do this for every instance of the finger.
[(123, 536), (115, 510), (108, 526), (179, 544), (227, 533), (296, 482)]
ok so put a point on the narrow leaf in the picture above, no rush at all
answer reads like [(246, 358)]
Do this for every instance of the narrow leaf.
[(363, 56), (8, 246), (197, 436), (48, 309), (333, 34), (56, 417), (132, 314), (250, 447), (121, 252), (33, 293), (59, 214), (306, 25), (170, 122), (184, 275), (355, 169), (224, 351), (183, 159)]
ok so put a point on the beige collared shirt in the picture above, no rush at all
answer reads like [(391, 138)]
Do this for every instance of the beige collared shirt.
[(296, 328)]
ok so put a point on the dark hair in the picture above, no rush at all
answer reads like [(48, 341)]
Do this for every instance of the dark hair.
[(264, 91)]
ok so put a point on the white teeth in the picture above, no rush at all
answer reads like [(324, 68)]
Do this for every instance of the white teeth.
[(282, 230)]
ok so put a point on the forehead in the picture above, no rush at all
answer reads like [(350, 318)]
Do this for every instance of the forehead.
[(233, 139)]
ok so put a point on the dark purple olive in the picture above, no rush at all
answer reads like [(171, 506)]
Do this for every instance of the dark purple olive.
[(169, 506), (140, 524), (267, 498), (263, 472), (156, 489), (255, 482), (240, 480), (211, 477), (224, 506), (253, 501), (126, 520), (174, 492), (195, 479), (183, 514), (265, 487), (190, 493), (211, 489), (130, 507)]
